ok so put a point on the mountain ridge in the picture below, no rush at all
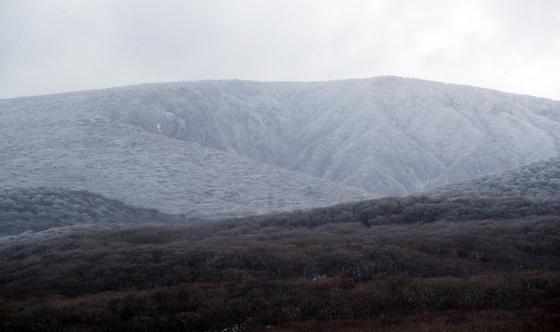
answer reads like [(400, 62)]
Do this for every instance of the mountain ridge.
[(131, 85), (354, 110), (349, 140)]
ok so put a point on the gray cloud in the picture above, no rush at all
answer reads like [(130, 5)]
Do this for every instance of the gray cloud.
[(62, 45)]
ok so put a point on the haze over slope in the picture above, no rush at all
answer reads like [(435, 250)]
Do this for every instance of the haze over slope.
[(222, 148)]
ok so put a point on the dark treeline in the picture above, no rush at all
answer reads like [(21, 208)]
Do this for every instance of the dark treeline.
[(348, 266), (38, 209), (538, 179), (415, 210)]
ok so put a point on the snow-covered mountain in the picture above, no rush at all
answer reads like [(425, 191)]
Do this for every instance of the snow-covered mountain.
[(537, 180), (238, 147), (388, 135), (51, 142)]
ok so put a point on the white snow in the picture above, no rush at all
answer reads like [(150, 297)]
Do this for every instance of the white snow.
[(239, 147)]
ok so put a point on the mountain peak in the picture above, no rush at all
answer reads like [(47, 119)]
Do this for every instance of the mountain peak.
[(233, 148)]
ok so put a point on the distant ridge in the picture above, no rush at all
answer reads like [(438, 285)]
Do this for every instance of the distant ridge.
[(233, 148)]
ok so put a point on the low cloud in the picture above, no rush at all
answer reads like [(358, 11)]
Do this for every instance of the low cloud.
[(54, 46)]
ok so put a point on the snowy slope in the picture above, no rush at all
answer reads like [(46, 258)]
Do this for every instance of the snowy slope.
[(57, 142), (239, 147), (388, 135), (540, 179)]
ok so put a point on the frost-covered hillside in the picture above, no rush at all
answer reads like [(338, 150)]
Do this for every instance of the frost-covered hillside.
[(388, 135), (58, 141), (221, 148), (540, 179)]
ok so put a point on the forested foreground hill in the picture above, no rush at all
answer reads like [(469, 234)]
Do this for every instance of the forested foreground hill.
[(391, 265)]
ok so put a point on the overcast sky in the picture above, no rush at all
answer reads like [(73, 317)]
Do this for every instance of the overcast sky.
[(49, 46)]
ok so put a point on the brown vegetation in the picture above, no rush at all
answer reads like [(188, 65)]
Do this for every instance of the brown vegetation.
[(388, 265)]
